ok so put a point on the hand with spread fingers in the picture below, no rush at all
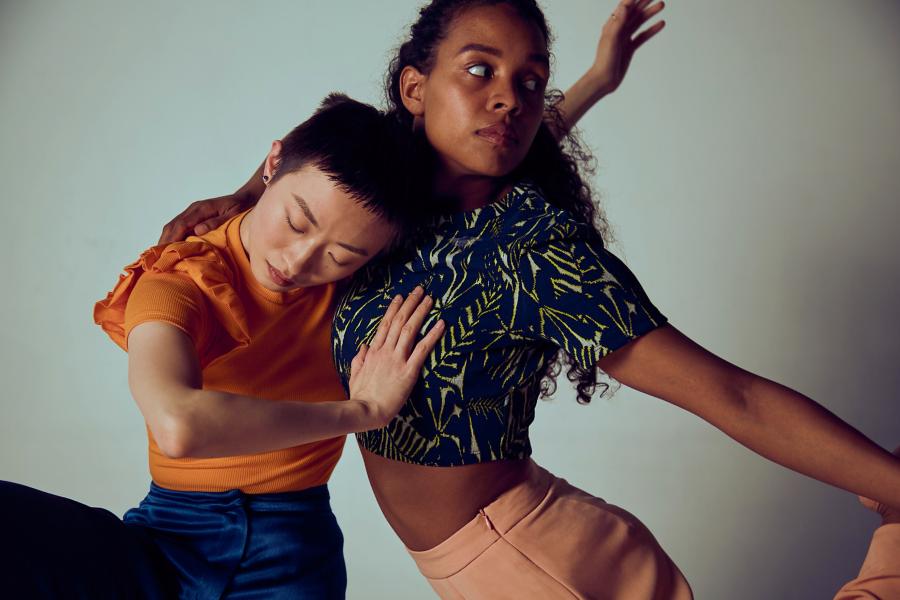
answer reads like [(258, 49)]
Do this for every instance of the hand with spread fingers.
[(383, 373), (620, 38)]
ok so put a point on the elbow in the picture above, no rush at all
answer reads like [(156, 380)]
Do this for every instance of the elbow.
[(175, 437), (748, 390), (727, 403), (741, 413)]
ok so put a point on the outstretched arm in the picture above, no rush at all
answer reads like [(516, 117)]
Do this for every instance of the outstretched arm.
[(189, 421), (621, 36), (770, 419)]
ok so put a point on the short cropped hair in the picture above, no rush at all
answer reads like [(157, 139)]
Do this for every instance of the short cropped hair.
[(369, 155)]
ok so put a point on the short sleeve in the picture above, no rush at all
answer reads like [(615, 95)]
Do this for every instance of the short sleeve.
[(577, 295), (171, 298), (188, 284)]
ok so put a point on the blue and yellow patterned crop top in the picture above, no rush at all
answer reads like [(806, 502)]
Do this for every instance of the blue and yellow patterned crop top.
[(514, 281)]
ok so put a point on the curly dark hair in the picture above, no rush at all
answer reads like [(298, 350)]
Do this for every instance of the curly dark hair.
[(556, 166)]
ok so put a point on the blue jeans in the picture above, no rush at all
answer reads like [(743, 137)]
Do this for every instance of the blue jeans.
[(241, 546)]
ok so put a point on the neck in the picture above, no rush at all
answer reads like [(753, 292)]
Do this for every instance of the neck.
[(468, 192), (244, 231)]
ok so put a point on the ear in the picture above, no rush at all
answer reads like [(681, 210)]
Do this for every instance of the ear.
[(270, 166), (412, 90)]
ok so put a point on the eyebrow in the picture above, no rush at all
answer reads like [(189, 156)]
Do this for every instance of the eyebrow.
[(309, 216), (536, 57), (302, 204)]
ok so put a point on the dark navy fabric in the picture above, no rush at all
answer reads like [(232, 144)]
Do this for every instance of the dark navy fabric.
[(515, 281), (187, 545), (53, 547)]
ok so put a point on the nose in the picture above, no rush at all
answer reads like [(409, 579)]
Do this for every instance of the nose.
[(300, 257), (505, 96)]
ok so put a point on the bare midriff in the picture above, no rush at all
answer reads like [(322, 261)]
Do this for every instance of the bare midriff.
[(426, 505)]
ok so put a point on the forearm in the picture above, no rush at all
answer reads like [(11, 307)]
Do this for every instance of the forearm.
[(250, 192), (770, 419), (579, 99), (792, 430), (186, 420), (206, 423)]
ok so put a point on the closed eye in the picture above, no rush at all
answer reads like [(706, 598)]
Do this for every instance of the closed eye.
[(287, 218), (336, 261)]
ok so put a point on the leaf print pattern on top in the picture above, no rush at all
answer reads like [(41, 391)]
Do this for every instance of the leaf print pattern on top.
[(513, 281)]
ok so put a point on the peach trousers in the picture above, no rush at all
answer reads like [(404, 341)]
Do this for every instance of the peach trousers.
[(879, 577), (545, 539)]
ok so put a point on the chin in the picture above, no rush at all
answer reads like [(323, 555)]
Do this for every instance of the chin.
[(489, 168), (312, 282), (500, 170), (498, 166)]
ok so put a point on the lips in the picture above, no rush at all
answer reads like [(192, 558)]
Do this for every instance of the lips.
[(498, 134), (278, 277)]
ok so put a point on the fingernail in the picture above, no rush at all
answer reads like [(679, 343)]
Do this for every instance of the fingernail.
[(397, 298)]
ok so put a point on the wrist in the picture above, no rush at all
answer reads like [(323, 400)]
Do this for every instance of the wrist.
[(599, 82), (362, 416), (244, 198), (248, 194)]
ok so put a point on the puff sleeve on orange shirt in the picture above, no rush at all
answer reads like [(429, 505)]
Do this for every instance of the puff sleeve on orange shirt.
[(186, 284)]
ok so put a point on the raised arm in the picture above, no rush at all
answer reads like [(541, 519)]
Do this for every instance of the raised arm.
[(621, 36), (770, 419), (188, 421)]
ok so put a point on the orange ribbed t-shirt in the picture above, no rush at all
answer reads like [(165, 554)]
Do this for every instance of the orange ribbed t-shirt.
[(249, 340)]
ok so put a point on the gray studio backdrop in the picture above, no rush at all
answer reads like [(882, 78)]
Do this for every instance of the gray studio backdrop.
[(749, 166)]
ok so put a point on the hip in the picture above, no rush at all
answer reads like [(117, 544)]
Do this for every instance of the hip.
[(544, 538), (289, 543)]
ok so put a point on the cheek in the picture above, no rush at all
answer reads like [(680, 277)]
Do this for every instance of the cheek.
[(528, 137), (267, 244), (273, 219), (349, 270), (535, 115), (343, 273), (449, 113), (276, 232)]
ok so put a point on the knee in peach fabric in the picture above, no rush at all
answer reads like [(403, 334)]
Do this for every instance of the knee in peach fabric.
[(548, 539), (879, 577)]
